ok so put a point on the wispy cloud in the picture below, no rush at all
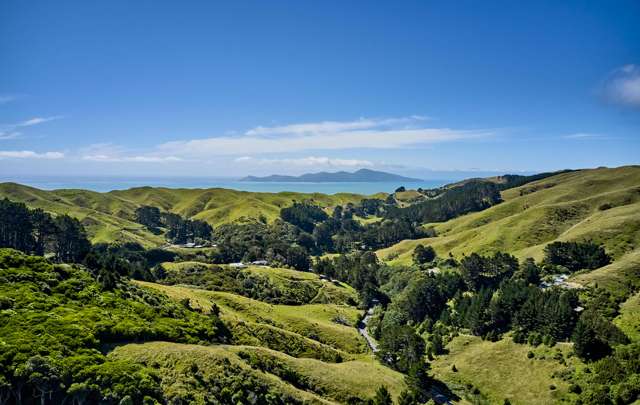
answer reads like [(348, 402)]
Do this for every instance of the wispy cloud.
[(583, 135), (389, 133), (309, 161), (138, 159), (9, 135), (7, 98), (623, 86), (29, 154), (106, 152), (37, 120)]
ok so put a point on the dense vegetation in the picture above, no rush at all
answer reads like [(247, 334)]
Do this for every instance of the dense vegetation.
[(56, 321)]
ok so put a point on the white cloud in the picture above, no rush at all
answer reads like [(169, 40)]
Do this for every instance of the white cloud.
[(388, 133), (582, 135), (9, 135), (28, 154), (37, 120), (308, 161), (107, 152), (137, 159), (333, 126), (623, 86)]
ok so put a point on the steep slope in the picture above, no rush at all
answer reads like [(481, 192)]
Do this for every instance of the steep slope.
[(598, 204)]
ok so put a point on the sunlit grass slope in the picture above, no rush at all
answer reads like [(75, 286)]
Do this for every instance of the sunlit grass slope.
[(307, 380), (501, 370), (598, 204), (110, 216)]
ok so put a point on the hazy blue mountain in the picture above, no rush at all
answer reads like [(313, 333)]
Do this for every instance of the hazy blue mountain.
[(362, 175)]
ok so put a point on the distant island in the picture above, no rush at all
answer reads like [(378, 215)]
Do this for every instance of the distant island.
[(362, 176)]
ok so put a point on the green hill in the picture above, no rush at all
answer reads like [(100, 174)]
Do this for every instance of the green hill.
[(598, 204), (109, 216)]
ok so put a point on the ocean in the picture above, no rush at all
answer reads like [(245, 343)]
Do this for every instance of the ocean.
[(103, 184)]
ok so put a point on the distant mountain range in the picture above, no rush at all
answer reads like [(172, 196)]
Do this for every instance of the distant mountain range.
[(362, 175)]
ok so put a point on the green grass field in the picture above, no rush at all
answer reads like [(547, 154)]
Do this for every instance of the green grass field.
[(501, 370), (316, 381)]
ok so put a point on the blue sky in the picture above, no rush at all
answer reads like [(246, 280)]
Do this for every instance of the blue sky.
[(210, 89)]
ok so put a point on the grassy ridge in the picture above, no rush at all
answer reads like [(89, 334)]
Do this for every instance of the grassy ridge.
[(599, 204), (315, 381), (109, 216)]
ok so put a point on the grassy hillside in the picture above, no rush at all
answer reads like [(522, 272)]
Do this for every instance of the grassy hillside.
[(306, 380), (501, 370), (269, 284), (330, 325), (598, 204), (110, 216)]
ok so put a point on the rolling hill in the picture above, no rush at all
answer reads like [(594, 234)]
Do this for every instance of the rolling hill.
[(109, 216), (602, 205)]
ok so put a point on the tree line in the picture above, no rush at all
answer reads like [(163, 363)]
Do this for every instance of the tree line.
[(38, 232)]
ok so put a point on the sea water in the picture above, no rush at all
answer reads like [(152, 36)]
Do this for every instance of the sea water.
[(103, 184)]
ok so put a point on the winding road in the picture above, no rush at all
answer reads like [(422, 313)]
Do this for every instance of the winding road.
[(362, 328)]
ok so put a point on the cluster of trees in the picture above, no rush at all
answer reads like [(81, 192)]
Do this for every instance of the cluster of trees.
[(279, 243), (37, 232), (575, 256), (110, 262), (341, 233), (179, 230), (450, 203), (361, 270)]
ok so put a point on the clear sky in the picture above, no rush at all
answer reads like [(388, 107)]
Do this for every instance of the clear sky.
[(209, 89)]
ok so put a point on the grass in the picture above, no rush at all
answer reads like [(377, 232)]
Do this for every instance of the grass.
[(629, 319), (502, 370), (323, 382), (620, 277), (316, 322), (109, 217)]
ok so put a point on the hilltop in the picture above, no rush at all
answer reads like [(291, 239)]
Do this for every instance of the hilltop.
[(362, 175)]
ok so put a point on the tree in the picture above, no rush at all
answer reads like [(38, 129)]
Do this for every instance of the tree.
[(419, 381), (401, 347), (72, 244), (422, 255), (576, 255), (586, 344), (148, 216), (382, 397)]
